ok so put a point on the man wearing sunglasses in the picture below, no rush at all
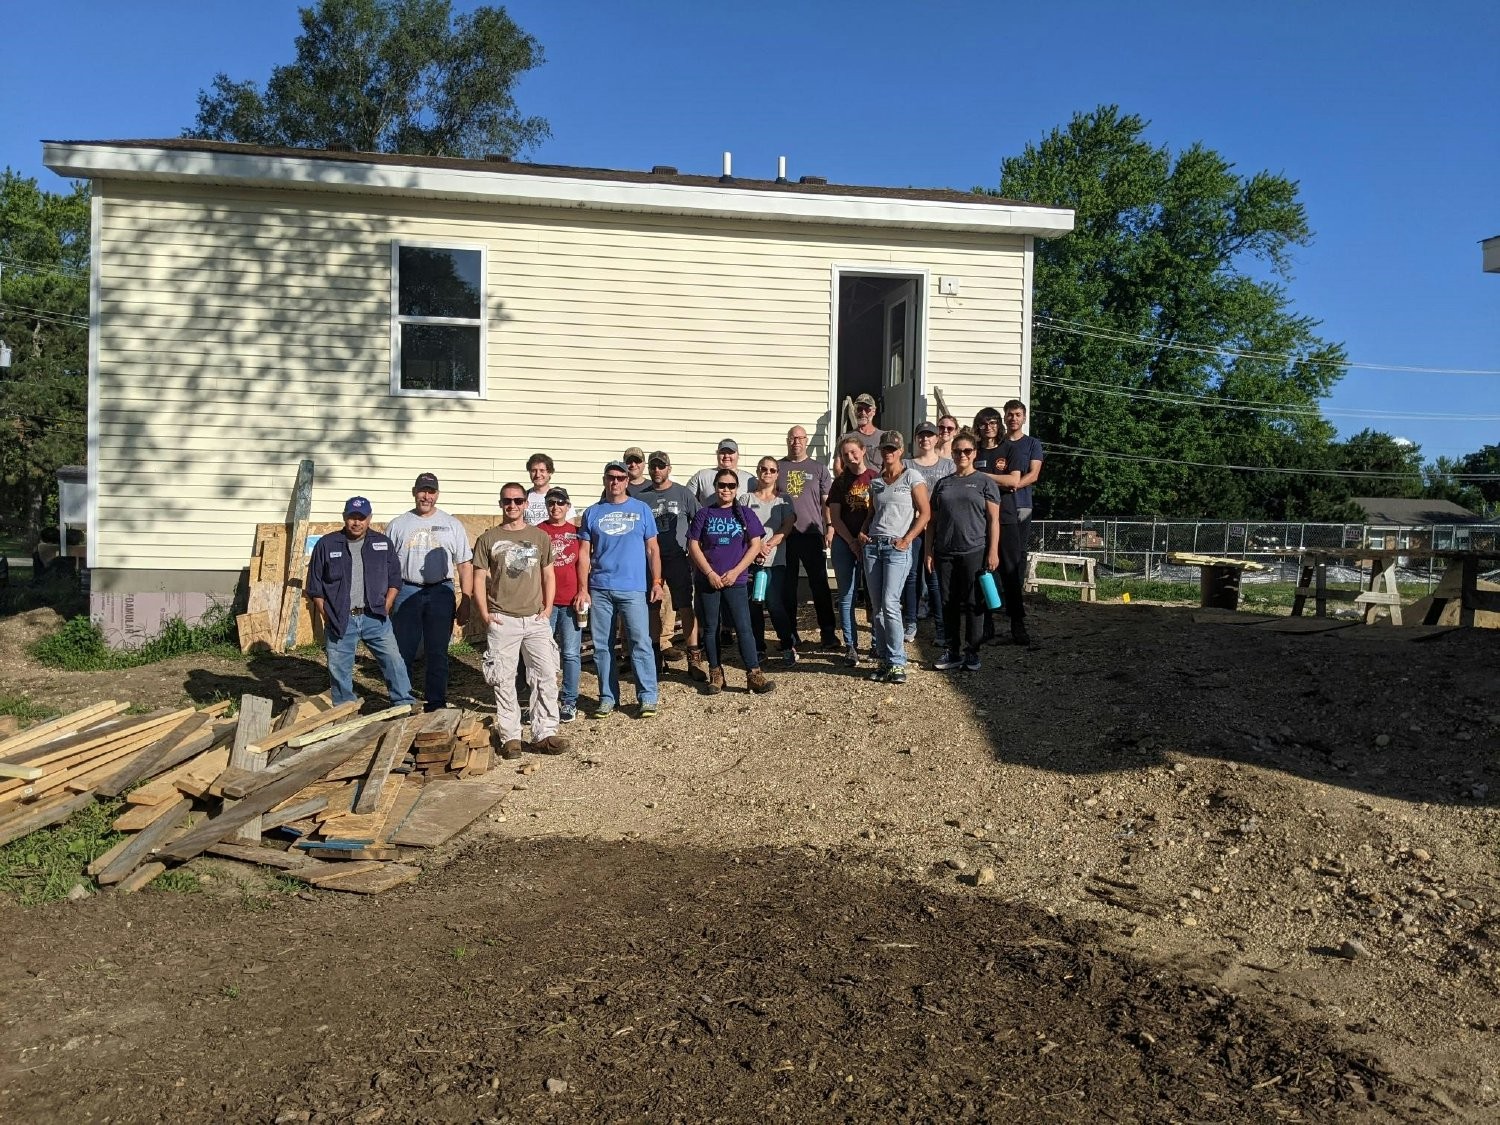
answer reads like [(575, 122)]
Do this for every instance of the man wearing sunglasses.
[(619, 575), (674, 508), (513, 563), (635, 465), (701, 483)]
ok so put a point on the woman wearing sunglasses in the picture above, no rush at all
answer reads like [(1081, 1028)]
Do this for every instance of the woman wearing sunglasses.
[(898, 513), (963, 542), (947, 428), (723, 541), (933, 468), (777, 518)]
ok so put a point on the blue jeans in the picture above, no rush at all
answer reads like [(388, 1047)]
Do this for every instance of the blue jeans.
[(846, 573), (630, 605), (911, 596), (569, 638), (380, 639), (709, 604), (423, 617), (885, 572)]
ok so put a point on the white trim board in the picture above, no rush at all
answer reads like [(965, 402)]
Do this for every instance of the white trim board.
[(120, 162), (91, 458)]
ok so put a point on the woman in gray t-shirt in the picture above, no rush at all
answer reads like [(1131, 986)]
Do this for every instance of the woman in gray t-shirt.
[(933, 468), (898, 513), (776, 516)]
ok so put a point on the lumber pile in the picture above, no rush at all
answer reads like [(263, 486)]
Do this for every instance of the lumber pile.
[(332, 798)]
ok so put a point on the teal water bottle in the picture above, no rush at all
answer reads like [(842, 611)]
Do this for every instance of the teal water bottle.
[(989, 591), (760, 585)]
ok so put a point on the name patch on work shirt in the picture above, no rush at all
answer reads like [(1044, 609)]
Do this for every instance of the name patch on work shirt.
[(379, 546)]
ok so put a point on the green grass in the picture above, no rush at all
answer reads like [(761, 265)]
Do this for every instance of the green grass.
[(1253, 595), (176, 882), (46, 865), (79, 645), (25, 710)]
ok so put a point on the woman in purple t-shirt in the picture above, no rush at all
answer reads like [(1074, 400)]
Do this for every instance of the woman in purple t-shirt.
[(723, 541)]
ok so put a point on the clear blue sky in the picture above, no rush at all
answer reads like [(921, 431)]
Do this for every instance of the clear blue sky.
[(1384, 111)]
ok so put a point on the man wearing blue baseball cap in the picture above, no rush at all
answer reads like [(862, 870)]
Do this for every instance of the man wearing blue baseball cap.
[(353, 579)]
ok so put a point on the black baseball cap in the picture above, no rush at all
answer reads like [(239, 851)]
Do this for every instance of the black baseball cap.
[(558, 493), (926, 428), (424, 482)]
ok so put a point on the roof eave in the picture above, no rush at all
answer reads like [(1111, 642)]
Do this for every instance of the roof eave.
[(117, 162)]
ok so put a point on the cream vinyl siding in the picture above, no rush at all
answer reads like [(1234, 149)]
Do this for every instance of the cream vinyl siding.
[(241, 330)]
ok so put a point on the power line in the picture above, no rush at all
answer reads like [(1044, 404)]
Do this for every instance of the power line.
[(32, 266), (67, 320), (1116, 336), (1077, 451)]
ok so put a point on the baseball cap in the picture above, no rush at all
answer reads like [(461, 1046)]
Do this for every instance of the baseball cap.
[(557, 492), (616, 467), (357, 506), (865, 400), (635, 453), (926, 428), (659, 457), (730, 444), (425, 481), (892, 439)]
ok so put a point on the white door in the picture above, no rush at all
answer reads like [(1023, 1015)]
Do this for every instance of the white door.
[(901, 377)]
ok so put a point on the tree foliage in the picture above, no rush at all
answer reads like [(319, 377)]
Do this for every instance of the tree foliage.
[(44, 306), (386, 76), (1168, 294)]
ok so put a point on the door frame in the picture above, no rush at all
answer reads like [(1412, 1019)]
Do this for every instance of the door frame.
[(838, 271)]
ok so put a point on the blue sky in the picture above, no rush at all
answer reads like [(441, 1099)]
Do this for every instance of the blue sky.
[(1383, 111)]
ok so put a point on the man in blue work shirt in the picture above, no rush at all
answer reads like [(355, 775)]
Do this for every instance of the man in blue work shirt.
[(353, 580)]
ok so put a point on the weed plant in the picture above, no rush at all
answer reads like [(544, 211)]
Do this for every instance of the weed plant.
[(79, 645), (46, 865)]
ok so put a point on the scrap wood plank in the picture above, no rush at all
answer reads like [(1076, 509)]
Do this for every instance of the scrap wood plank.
[(366, 878), (9, 725), (163, 787), (214, 738), (481, 758), (324, 872), (356, 767), (75, 747), (281, 737), (304, 708), (340, 801), (109, 856), (303, 740), (344, 851), (389, 752), (145, 842), (294, 811), (242, 783), (410, 793), (140, 877), (353, 825), (246, 755), (443, 811), (263, 856), (63, 725), (44, 814), (227, 821), (439, 727), (296, 563), (85, 774), (151, 758)]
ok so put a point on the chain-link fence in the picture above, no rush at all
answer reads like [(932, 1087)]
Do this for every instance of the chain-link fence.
[(1138, 548)]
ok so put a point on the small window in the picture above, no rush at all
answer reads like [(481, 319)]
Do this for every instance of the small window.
[(437, 330)]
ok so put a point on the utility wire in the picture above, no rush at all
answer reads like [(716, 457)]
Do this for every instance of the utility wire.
[(1116, 336), (31, 266)]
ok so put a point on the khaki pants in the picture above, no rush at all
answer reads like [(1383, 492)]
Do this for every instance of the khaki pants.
[(663, 619), (508, 638)]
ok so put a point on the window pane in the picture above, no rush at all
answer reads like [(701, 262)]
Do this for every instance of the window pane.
[(438, 282), (439, 357)]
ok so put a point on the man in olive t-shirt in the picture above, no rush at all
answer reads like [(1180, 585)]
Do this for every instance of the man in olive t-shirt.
[(513, 569)]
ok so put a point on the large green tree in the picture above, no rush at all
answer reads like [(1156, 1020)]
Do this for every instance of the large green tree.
[(1163, 328), (44, 305), (386, 76)]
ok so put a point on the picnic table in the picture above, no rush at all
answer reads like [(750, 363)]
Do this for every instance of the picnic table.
[(1218, 578), (1378, 588)]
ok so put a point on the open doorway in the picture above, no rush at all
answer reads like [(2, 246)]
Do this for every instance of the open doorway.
[(879, 344)]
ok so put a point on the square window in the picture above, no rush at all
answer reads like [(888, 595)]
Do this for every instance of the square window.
[(437, 326)]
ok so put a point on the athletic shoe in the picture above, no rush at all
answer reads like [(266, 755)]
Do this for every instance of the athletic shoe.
[(911, 633), (648, 710), (851, 658), (604, 711), (971, 662), (948, 661), (567, 714), (881, 674), (790, 657), (897, 675)]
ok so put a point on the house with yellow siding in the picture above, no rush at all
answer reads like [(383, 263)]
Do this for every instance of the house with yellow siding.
[(386, 315)]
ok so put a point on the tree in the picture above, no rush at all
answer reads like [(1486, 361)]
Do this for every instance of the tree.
[(44, 307), (386, 76), (1165, 297)]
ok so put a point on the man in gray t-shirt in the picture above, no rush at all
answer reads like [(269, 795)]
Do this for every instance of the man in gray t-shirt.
[(674, 508), (433, 549), (806, 483), (701, 483)]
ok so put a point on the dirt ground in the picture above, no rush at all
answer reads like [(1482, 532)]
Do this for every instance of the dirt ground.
[(1165, 866)]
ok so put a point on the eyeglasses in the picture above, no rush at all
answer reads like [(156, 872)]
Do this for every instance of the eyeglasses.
[(510, 501), (990, 422), (864, 410), (721, 485), (963, 453), (615, 478)]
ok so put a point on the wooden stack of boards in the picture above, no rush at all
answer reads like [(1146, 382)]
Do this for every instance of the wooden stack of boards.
[(278, 573), (337, 786)]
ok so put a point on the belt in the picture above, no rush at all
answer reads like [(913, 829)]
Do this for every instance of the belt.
[(358, 612), (424, 585), (883, 538)]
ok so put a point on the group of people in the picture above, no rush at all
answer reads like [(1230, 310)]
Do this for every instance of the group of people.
[(716, 557)]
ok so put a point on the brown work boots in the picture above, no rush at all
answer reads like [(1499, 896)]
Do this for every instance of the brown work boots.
[(697, 667), (756, 681)]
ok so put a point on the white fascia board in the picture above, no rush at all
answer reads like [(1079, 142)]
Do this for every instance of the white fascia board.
[(118, 162)]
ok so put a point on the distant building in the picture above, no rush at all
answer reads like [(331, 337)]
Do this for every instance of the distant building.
[(1491, 254), (1398, 523)]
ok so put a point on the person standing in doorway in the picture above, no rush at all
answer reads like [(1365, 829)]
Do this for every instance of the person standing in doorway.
[(513, 563), (776, 519), (963, 542), (433, 549), (619, 575), (566, 629), (848, 508), (865, 428), (806, 483), (919, 579), (701, 484), (674, 507), (898, 513), (1023, 464), (353, 578)]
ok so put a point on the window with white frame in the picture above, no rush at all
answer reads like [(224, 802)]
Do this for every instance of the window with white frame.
[(437, 327)]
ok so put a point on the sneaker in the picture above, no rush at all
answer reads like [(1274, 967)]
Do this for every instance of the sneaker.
[(648, 711), (911, 633), (880, 675), (971, 662), (552, 744), (896, 675), (851, 658), (948, 661), (790, 657), (567, 714), (604, 710)]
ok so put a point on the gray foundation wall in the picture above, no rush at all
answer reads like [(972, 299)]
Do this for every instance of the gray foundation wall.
[(132, 606)]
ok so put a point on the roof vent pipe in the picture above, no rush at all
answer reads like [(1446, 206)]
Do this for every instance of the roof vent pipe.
[(728, 168), (781, 170)]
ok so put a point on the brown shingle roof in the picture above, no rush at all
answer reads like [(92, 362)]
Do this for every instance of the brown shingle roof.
[(561, 171)]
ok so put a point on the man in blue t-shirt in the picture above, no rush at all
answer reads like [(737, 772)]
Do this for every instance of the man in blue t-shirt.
[(1023, 465), (619, 573)]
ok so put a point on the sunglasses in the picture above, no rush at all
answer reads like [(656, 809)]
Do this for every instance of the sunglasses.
[(948, 429), (557, 503), (615, 478), (963, 453), (768, 469), (635, 460), (721, 485), (509, 501)]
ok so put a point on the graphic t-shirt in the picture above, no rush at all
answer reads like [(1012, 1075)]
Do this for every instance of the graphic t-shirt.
[(960, 516), (510, 564), (564, 561), (725, 539), (674, 508), (993, 461), (430, 549), (805, 483), (891, 505), (616, 535), (852, 495), (536, 508), (772, 514)]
